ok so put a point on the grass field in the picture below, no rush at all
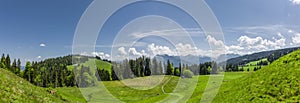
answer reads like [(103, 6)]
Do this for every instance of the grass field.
[(277, 82), (171, 89)]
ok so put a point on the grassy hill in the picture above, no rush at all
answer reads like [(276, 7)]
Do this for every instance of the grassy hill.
[(99, 64), (277, 82), (272, 55), (16, 89)]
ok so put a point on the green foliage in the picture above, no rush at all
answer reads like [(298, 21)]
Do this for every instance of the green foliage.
[(188, 74)]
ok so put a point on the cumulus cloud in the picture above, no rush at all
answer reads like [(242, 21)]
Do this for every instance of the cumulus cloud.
[(39, 57), (180, 49), (296, 38), (213, 41), (295, 1), (254, 44), (159, 50), (42, 45), (122, 51), (134, 52), (99, 54)]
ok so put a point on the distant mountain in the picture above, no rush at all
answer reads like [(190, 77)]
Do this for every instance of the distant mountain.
[(270, 55), (190, 59), (227, 56)]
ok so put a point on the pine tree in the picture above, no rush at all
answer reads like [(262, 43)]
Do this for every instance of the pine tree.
[(18, 69), (154, 66), (180, 69), (169, 68), (7, 62), (147, 67), (3, 62), (14, 66), (27, 72), (113, 74)]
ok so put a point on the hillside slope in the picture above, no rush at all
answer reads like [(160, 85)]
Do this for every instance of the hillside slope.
[(16, 89), (277, 82), (271, 55)]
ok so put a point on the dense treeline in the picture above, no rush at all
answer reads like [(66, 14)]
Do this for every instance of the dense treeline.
[(145, 66), (67, 70), (15, 67)]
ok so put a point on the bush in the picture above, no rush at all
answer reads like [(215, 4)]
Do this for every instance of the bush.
[(188, 74)]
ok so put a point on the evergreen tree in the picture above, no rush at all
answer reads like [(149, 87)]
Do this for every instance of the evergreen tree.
[(170, 68), (180, 69), (14, 66), (154, 66), (28, 75), (147, 67), (3, 62), (18, 69), (127, 70), (160, 68), (7, 61), (113, 74)]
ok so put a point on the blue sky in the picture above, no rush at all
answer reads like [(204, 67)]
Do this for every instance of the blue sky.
[(35, 29)]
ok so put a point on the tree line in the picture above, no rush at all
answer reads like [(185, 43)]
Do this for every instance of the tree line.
[(62, 72), (14, 67)]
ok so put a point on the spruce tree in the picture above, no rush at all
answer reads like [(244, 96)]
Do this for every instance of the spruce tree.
[(2, 62), (14, 66), (7, 62), (169, 68), (18, 69)]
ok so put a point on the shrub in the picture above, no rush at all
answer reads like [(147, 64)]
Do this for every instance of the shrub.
[(188, 74)]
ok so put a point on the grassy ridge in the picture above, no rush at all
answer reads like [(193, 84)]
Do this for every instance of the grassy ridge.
[(16, 89), (277, 82), (99, 64)]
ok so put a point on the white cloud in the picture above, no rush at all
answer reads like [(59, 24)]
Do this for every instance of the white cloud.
[(280, 35), (100, 54), (212, 41), (39, 57), (122, 51), (249, 45), (42, 45), (159, 50), (134, 52), (296, 38), (180, 49), (295, 1), (187, 49)]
